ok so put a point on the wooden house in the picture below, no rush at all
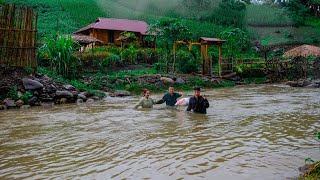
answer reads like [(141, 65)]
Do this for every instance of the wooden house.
[(108, 30)]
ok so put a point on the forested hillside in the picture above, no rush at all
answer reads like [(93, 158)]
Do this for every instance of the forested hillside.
[(203, 17)]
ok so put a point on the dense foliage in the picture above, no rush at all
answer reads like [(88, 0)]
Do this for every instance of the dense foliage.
[(237, 41), (167, 31), (59, 50), (229, 13)]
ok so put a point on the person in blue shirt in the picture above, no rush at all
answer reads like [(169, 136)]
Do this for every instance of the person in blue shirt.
[(171, 97), (197, 103)]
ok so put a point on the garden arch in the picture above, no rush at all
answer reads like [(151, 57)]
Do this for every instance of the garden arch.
[(204, 42)]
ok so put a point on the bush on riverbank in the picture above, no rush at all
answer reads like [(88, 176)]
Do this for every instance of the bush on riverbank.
[(311, 171)]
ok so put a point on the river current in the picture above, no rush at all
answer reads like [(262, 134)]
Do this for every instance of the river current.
[(249, 132)]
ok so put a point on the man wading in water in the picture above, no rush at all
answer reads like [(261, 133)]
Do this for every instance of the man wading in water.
[(171, 97), (197, 103), (146, 101)]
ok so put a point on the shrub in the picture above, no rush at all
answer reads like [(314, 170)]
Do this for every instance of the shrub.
[(111, 60), (129, 55), (26, 96), (186, 62), (197, 82), (87, 58), (12, 94)]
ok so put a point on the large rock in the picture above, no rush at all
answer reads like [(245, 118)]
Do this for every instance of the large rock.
[(180, 81), (64, 94), (79, 101), (121, 93), (96, 98), (82, 96), (166, 80), (33, 101), (75, 93), (160, 85), (9, 103), (90, 101), (84, 93), (19, 102), (69, 87), (293, 83), (51, 88), (313, 85), (30, 84), (304, 83)]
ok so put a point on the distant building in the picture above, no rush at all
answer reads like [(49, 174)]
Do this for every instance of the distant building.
[(108, 30)]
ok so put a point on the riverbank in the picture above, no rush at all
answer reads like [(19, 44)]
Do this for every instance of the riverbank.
[(22, 89)]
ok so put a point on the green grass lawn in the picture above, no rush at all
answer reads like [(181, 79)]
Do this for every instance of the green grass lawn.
[(265, 15)]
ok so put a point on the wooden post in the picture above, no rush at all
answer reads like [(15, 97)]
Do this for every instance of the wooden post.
[(251, 68), (286, 69), (174, 57), (210, 60), (220, 58)]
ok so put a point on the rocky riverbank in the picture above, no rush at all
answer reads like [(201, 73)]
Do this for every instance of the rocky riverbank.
[(305, 83), (40, 90), (20, 90)]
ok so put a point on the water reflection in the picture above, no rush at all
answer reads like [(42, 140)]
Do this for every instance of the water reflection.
[(249, 132)]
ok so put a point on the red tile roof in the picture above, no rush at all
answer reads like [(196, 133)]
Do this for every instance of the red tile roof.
[(117, 24)]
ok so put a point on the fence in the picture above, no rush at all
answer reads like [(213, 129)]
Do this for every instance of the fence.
[(18, 32)]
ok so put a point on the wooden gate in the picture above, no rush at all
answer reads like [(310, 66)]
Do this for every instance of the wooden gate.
[(18, 32)]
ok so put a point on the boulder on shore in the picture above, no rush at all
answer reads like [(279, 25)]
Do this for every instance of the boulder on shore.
[(82, 96), (9, 103), (180, 81), (293, 83), (90, 101), (121, 93), (30, 84), (64, 94), (166, 80)]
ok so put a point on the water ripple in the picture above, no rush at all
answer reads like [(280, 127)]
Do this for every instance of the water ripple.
[(250, 132)]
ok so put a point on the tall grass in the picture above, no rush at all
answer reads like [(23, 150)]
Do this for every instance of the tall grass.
[(267, 15), (60, 51)]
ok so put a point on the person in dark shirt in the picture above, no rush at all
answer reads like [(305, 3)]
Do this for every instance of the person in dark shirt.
[(197, 103), (171, 97)]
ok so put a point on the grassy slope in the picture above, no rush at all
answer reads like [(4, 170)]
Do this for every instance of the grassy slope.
[(63, 16), (270, 21)]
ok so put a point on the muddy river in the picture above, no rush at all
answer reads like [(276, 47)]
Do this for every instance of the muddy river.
[(250, 132)]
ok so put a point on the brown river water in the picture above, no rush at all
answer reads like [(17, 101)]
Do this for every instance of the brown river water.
[(250, 132)]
